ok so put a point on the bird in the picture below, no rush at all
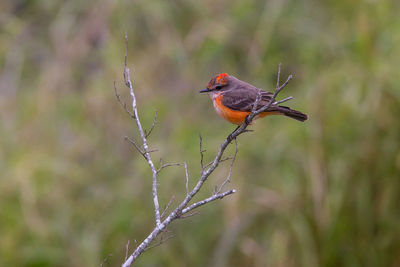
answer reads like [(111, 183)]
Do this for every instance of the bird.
[(233, 100)]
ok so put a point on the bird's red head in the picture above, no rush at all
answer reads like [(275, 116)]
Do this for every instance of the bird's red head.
[(217, 83), (220, 79)]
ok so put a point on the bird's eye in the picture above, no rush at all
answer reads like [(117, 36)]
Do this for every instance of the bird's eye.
[(218, 87)]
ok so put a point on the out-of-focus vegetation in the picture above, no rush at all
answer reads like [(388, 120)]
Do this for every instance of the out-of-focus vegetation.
[(321, 193)]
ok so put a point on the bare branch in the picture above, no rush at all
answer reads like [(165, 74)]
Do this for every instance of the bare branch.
[(283, 100), (278, 78), (205, 201), (284, 84), (165, 165), (146, 151), (184, 207), (206, 172)]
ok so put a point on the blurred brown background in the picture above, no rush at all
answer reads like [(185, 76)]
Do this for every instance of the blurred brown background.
[(321, 193)]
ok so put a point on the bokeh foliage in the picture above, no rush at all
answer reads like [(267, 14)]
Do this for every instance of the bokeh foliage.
[(322, 193)]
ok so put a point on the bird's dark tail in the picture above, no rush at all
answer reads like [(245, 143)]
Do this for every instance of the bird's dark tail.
[(291, 113)]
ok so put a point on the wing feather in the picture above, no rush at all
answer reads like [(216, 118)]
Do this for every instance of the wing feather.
[(243, 99)]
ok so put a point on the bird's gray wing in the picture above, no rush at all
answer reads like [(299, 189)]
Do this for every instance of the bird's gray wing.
[(243, 99)]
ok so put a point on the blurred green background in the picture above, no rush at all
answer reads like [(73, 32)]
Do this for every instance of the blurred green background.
[(321, 193)]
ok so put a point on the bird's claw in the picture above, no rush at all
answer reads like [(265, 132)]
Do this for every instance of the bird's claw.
[(230, 138), (247, 120)]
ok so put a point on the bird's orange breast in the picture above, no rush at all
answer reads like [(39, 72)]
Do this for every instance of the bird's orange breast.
[(234, 116)]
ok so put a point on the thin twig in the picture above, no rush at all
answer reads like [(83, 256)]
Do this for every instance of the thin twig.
[(211, 162), (226, 159), (167, 206), (123, 104), (165, 165), (153, 125), (278, 78), (201, 154), (162, 241), (189, 215), (135, 145), (228, 178), (205, 201), (187, 178), (105, 260), (127, 249), (283, 85), (283, 100)]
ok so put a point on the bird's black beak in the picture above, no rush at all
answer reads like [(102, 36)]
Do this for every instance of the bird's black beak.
[(204, 90)]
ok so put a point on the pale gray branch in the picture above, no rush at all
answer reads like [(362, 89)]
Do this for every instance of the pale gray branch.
[(187, 179), (205, 201), (283, 100), (146, 151), (184, 207), (278, 78), (165, 165)]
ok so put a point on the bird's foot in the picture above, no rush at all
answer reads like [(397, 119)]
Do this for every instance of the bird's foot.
[(247, 120), (230, 136)]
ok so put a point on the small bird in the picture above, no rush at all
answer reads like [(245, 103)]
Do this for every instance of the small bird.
[(233, 100)]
